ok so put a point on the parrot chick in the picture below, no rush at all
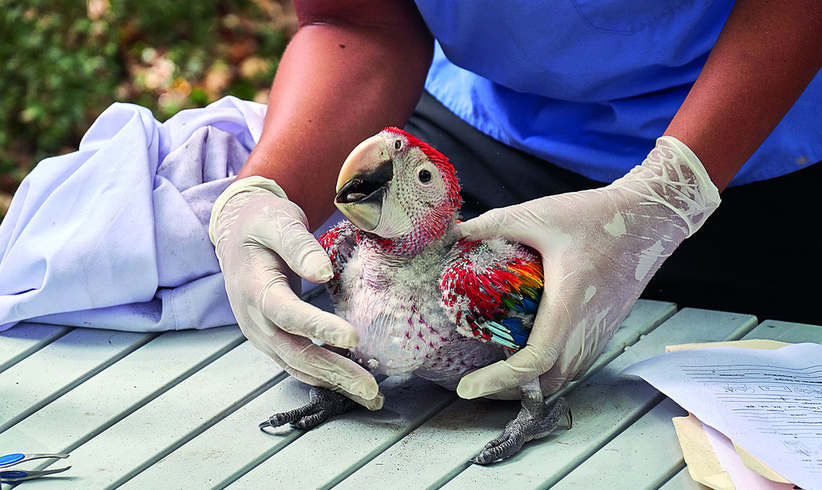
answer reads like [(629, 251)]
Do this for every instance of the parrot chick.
[(423, 300)]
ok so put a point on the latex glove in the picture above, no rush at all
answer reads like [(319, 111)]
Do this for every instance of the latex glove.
[(260, 237), (600, 248)]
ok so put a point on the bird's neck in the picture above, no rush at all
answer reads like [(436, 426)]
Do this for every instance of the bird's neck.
[(382, 267), (430, 230)]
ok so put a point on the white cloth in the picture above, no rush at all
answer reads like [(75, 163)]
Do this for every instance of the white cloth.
[(115, 235)]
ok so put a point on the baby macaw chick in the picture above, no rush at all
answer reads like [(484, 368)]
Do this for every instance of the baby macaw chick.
[(423, 300)]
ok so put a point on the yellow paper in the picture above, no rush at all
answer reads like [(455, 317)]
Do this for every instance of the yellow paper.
[(703, 464), (754, 464), (746, 344)]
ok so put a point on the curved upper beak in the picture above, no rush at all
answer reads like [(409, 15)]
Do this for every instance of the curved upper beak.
[(362, 184)]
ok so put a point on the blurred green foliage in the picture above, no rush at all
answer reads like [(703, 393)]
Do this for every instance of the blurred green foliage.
[(62, 62)]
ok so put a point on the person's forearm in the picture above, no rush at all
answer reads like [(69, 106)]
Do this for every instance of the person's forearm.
[(764, 58), (351, 70)]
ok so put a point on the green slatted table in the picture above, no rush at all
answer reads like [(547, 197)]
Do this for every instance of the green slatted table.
[(180, 410)]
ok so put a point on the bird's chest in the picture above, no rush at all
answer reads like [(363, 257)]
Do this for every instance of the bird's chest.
[(403, 324), (397, 312)]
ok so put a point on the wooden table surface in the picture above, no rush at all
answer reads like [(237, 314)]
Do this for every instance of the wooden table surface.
[(180, 410)]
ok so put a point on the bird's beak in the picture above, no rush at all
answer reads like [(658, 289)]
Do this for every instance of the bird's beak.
[(362, 184)]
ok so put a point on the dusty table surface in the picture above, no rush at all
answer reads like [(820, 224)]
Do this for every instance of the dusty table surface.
[(181, 409)]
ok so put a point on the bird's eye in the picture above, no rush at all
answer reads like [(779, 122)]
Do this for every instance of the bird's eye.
[(398, 145), (424, 176)]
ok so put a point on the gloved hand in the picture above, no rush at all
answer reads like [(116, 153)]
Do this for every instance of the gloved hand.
[(260, 237), (600, 248)]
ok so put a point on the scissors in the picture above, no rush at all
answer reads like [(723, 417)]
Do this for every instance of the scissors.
[(14, 476)]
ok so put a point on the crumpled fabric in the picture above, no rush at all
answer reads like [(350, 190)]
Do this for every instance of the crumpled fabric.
[(115, 235)]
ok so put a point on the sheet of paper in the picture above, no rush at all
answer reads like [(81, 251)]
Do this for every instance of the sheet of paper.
[(690, 432), (767, 401), (740, 475)]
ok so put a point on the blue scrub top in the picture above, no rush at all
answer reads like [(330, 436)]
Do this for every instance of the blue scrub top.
[(590, 85)]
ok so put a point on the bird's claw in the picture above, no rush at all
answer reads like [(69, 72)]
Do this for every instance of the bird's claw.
[(323, 404), (522, 429)]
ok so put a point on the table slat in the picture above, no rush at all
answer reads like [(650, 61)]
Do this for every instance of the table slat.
[(683, 481), (23, 340), (225, 450), (644, 456), (792, 333)]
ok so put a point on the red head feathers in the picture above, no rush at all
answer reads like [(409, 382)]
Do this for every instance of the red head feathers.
[(439, 160)]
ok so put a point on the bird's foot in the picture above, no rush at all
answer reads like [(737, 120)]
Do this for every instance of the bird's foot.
[(323, 404), (525, 427)]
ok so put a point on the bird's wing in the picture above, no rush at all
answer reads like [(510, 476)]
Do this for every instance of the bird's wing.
[(340, 243), (492, 289)]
